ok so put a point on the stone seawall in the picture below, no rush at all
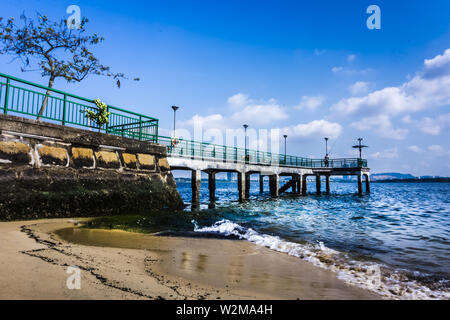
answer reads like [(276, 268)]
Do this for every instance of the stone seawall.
[(49, 170)]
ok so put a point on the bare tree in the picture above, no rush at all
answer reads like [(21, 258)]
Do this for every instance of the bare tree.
[(58, 51)]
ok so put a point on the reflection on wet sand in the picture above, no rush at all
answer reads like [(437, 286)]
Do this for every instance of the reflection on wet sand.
[(235, 266)]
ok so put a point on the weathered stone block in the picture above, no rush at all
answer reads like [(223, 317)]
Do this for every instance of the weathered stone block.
[(146, 161), (83, 157), (129, 160), (16, 152), (107, 159), (53, 155), (163, 164)]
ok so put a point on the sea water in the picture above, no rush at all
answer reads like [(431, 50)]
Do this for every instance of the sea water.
[(395, 241)]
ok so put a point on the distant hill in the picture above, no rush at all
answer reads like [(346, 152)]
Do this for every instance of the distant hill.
[(391, 176)]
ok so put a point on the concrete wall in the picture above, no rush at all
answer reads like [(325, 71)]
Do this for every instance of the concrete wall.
[(48, 170)]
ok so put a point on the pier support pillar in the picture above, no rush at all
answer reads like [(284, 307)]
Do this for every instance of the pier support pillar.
[(360, 189), (367, 179), (304, 184), (241, 186), (327, 182), (274, 183), (195, 184), (299, 184), (247, 186), (212, 186), (318, 185), (294, 184), (261, 183)]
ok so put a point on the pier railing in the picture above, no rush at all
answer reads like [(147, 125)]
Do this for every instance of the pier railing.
[(204, 151), (26, 98)]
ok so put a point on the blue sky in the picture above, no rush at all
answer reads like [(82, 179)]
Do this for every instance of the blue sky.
[(310, 68)]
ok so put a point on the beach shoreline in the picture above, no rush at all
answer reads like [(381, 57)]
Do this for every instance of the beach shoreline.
[(123, 265)]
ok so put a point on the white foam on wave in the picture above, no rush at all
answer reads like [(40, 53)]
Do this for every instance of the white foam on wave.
[(367, 275)]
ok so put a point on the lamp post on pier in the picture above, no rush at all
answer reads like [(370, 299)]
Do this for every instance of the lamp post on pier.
[(174, 108), (245, 142), (285, 137)]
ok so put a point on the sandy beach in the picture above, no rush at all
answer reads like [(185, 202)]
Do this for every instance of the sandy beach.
[(35, 256)]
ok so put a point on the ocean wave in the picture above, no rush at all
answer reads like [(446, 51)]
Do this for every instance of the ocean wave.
[(379, 278)]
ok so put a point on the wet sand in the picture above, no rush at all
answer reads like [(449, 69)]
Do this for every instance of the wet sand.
[(34, 257)]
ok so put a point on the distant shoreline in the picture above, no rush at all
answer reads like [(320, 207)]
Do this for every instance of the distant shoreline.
[(414, 180)]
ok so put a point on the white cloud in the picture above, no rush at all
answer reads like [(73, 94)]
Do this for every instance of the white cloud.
[(310, 103), (213, 121), (428, 90), (433, 126), (351, 72), (337, 69), (351, 57), (260, 114), (414, 149), (386, 154), (438, 150), (381, 125), (238, 100), (321, 128), (243, 110), (319, 52), (359, 87)]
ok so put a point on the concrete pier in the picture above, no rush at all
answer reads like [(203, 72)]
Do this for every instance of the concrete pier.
[(318, 185), (298, 175), (274, 183), (196, 183), (212, 186), (360, 188), (367, 178), (304, 185), (247, 186), (241, 186), (327, 182)]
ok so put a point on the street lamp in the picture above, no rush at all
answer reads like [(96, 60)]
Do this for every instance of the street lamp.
[(245, 138), (326, 147), (174, 108), (360, 146), (285, 137)]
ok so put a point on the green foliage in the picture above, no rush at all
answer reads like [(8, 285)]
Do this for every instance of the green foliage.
[(100, 116)]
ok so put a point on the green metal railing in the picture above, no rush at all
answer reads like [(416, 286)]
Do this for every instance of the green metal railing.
[(22, 97), (203, 150)]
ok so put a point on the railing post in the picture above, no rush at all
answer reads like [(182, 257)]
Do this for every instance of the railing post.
[(64, 111), (140, 127), (5, 109), (107, 124)]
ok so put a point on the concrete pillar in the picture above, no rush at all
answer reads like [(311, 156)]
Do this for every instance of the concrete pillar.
[(327, 184), (274, 182), (304, 184), (261, 183), (195, 184), (360, 189), (367, 183), (247, 186), (241, 186), (318, 186), (299, 184), (294, 184), (212, 186)]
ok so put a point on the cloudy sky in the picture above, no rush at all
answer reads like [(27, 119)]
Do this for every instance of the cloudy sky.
[(308, 68)]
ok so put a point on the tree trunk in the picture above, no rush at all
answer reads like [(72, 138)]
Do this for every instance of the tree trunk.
[(44, 103)]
